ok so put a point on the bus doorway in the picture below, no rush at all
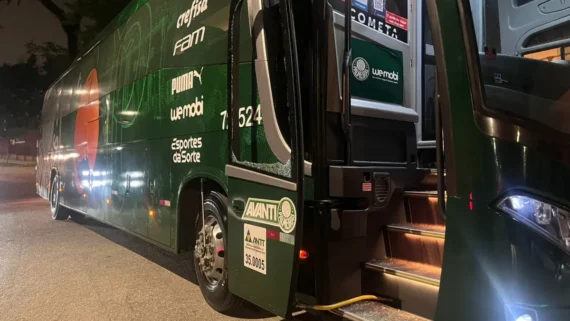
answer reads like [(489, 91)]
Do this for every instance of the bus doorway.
[(392, 36)]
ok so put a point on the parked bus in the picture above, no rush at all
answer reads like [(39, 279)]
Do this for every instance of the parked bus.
[(406, 161)]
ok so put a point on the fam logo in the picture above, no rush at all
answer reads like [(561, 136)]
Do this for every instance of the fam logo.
[(280, 213), (360, 69)]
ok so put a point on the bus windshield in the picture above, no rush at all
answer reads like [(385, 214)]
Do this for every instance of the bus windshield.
[(524, 54)]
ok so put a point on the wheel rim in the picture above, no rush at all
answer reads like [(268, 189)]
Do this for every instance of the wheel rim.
[(209, 252), (54, 199)]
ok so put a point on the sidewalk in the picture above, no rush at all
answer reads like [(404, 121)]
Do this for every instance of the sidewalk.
[(14, 160)]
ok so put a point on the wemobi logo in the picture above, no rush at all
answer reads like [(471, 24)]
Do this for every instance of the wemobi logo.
[(188, 111), (394, 76)]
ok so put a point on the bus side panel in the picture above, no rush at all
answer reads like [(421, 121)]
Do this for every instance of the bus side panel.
[(159, 81), (70, 196), (50, 138)]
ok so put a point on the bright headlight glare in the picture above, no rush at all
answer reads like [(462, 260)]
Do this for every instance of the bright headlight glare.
[(547, 218), (524, 317)]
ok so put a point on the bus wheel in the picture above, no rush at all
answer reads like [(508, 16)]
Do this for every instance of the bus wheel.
[(209, 255), (58, 212), (77, 217)]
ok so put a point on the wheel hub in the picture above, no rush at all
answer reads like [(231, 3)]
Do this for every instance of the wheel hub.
[(209, 251), (54, 198)]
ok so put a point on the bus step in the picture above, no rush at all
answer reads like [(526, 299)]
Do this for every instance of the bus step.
[(430, 180), (420, 193), (422, 208), (429, 230), (374, 311), (423, 273)]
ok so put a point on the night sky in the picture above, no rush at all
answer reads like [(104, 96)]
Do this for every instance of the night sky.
[(28, 22)]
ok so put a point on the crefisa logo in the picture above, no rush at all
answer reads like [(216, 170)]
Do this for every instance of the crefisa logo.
[(360, 69)]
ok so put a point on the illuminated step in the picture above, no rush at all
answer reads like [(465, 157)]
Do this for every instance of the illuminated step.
[(415, 271), (430, 180), (374, 311), (429, 230), (420, 193), (422, 208)]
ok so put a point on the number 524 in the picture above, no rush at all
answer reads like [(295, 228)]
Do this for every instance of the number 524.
[(246, 115)]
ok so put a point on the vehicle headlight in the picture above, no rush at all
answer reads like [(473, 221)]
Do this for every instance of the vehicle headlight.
[(520, 313), (550, 220)]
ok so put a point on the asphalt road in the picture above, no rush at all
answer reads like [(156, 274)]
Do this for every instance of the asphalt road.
[(53, 270)]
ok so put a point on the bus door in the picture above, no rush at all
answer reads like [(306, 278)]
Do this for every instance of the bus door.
[(385, 79), (383, 43), (504, 119), (265, 170)]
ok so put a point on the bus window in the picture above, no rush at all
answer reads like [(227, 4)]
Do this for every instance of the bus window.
[(277, 73), (523, 65), (255, 142), (546, 55), (558, 33)]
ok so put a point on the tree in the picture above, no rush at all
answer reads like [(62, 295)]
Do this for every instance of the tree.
[(72, 14), (20, 93), (52, 60), (23, 85), (98, 14)]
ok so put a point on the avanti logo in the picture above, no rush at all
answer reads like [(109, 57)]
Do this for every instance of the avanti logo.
[(275, 213)]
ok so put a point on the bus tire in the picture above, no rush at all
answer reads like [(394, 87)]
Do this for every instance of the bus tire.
[(76, 217), (58, 212), (212, 274)]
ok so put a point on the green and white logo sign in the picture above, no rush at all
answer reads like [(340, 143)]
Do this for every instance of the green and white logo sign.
[(378, 72), (360, 69), (275, 213)]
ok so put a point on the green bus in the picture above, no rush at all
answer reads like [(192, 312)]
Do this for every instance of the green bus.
[(406, 161)]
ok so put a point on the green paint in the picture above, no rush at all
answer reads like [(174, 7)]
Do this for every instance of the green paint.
[(162, 95), (377, 72), (151, 132), (269, 290)]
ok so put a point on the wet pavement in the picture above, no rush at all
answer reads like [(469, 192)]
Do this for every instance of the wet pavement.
[(53, 270)]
